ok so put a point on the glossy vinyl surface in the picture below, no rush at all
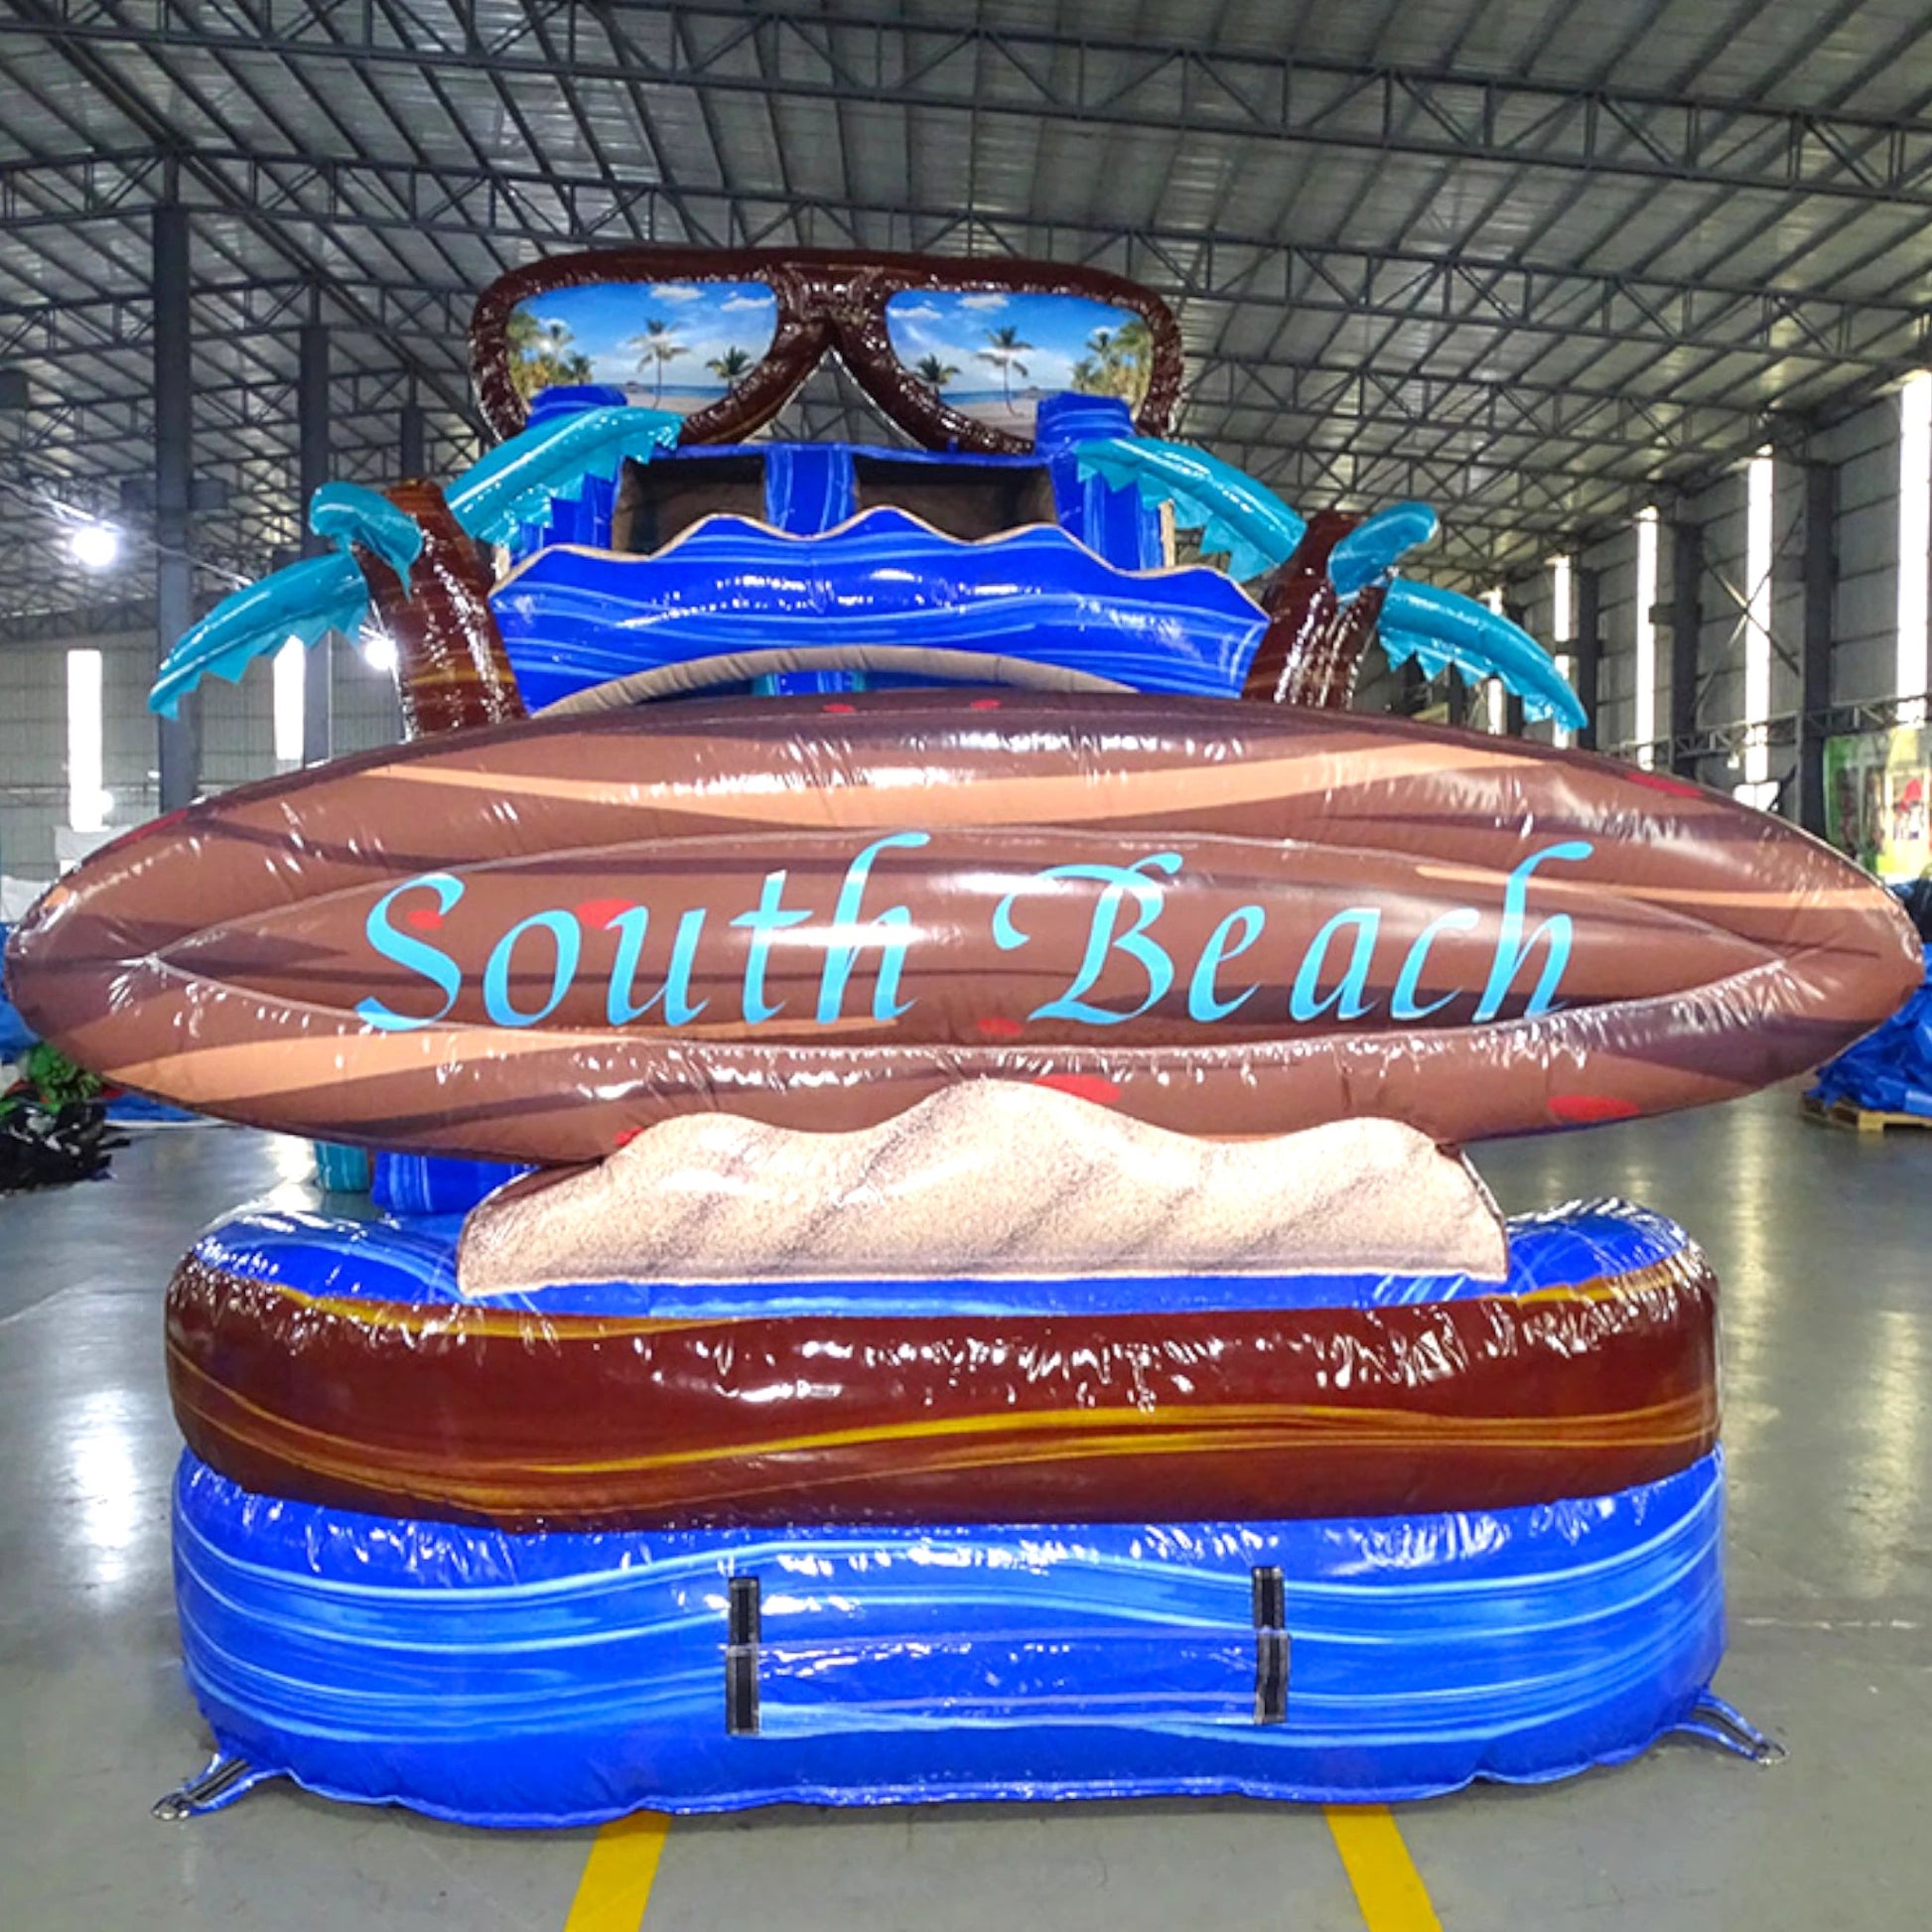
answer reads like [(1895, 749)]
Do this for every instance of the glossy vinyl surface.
[(1220, 919), (618, 1406), (411, 1257), (810, 488), (883, 582), (544, 1679), (425, 1183)]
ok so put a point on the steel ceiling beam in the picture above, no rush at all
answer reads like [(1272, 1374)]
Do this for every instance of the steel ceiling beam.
[(257, 403), (522, 201), (1713, 433), (129, 101), (1650, 418), (1361, 475), (85, 617), (1144, 84), (1581, 417), (1575, 415)]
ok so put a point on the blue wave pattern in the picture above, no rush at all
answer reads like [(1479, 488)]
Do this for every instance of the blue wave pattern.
[(551, 1680), (436, 1183), (573, 619), (414, 1261)]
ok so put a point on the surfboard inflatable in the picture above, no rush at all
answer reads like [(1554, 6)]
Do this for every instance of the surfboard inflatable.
[(530, 943)]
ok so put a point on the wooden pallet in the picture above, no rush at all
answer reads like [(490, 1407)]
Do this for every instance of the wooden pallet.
[(1864, 1120)]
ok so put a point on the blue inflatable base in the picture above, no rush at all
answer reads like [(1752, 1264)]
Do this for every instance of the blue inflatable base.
[(564, 1679)]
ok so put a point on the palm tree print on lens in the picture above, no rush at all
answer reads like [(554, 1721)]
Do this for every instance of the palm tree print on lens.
[(934, 370), (730, 366), (1118, 362), (544, 355), (657, 347), (1003, 351)]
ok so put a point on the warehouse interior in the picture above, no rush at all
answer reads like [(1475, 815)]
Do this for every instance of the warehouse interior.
[(1638, 298)]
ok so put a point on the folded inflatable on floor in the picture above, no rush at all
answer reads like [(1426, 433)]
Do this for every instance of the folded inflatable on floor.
[(1889, 1072)]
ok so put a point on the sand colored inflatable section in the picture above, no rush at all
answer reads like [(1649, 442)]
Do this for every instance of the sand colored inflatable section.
[(992, 1179)]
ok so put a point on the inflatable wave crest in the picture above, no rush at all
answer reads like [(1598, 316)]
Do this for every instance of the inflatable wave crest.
[(919, 1058)]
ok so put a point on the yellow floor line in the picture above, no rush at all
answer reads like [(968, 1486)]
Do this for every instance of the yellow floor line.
[(616, 1881), (1388, 1888)]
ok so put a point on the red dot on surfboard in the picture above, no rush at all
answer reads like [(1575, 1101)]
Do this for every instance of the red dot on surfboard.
[(601, 912), (1657, 781), (984, 704), (1082, 1086), (1586, 1109), (628, 1135), (839, 707), (996, 1025), (425, 918)]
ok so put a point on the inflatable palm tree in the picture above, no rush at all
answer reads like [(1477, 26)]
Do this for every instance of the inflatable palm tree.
[(408, 558)]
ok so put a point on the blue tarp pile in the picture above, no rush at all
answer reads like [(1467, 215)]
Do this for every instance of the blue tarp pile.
[(1890, 1072)]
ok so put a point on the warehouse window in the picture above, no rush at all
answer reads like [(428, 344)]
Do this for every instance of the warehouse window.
[(1562, 626), (288, 701), (1646, 599), (1914, 537), (87, 804), (1760, 494), (1495, 699)]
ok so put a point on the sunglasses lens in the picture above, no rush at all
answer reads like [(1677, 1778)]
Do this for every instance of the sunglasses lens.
[(991, 354), (674, 346)]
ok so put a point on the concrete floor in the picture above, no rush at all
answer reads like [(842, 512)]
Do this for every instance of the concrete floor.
[(1823, 1242)]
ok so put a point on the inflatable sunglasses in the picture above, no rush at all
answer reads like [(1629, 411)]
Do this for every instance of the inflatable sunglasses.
[(955, 352)]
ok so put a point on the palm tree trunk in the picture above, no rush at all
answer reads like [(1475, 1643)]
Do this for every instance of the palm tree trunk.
[(1313, 650), (452, 670)]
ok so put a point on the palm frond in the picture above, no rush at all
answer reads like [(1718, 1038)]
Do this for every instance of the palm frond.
[(348, 513), (1233, 513), (1440, 628), (304, 601), (1371, 548), (519, 478)]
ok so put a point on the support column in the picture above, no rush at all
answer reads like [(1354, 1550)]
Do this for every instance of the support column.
[(312, 430), (1514, 723), (1457, 694), (1589, 648), (1815, 663), (179, 738), (410, 443), (1686, 619)]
